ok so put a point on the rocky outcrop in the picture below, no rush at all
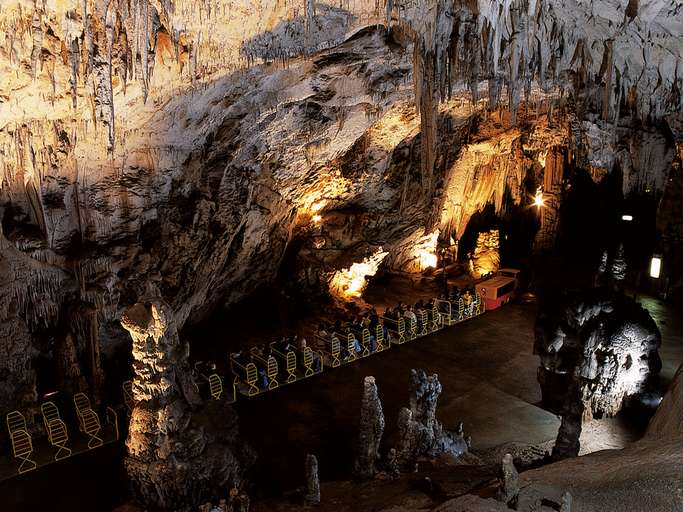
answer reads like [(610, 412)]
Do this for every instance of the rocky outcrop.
[(644, 476), (605, 342), (371, 430), (177, 455), (421, 434)]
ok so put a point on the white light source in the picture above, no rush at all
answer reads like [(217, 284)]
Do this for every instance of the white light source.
[(539, 201), (317, 218), (655, 266), (627, 218)]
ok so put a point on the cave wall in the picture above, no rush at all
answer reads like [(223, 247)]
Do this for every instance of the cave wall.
[(178, 148)]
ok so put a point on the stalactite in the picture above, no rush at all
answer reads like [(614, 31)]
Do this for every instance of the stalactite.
[(37, 36)]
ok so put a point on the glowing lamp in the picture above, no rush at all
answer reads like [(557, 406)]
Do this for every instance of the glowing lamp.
[(655, 266), (538, 199), (317, 218), (627, 218)]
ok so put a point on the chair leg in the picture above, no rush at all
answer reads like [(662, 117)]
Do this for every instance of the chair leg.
[(26, 465)]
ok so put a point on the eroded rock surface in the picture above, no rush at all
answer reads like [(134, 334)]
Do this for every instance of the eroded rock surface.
[(177, 454)]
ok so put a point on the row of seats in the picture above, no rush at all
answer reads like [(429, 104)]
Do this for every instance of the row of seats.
[(56, 430), (262, 371)]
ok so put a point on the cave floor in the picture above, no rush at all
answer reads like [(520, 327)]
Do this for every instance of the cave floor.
[(485, 365)]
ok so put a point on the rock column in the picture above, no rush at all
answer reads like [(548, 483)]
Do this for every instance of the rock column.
[(173, 459), (312, 496), (420, 432), (371, 430)]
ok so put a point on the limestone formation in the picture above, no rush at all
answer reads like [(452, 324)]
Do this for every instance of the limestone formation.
[(312, 496), (176, 456), (420, 433), (604, 341), (486, 257), (371, 430), (509, 488)]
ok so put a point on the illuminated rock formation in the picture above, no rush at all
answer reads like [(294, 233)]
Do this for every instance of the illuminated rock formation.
[(176, 456), (486, 257), (509, 488), (598, 352), (421, 434), (371, 430)]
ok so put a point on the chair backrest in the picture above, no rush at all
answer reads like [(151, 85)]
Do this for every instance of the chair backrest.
[(21, 443), (252, 374), (56, 430), (215, 386), (50, 413), (81, 402), (91, 422), (15, 421)]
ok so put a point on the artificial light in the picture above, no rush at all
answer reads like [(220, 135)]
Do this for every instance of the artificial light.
[(538, 199), (655, 266), (627, 218), (317, 218)]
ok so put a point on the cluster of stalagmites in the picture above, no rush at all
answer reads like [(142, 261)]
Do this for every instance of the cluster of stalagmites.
[(599, 354), (178, 452), (421, 435)]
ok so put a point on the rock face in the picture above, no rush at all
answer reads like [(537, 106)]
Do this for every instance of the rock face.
[(486, 257), (421, 434), (371, 430), (605, 341), (598, 352), (176, 456)]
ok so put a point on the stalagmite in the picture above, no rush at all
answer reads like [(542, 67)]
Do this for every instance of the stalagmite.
[(371, 430), (173, 457), (509, 488), (312, 496), (421, 434)]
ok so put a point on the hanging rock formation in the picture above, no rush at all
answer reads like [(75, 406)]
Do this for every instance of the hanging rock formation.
[(421, 434), (176, 456), (371, 430)]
